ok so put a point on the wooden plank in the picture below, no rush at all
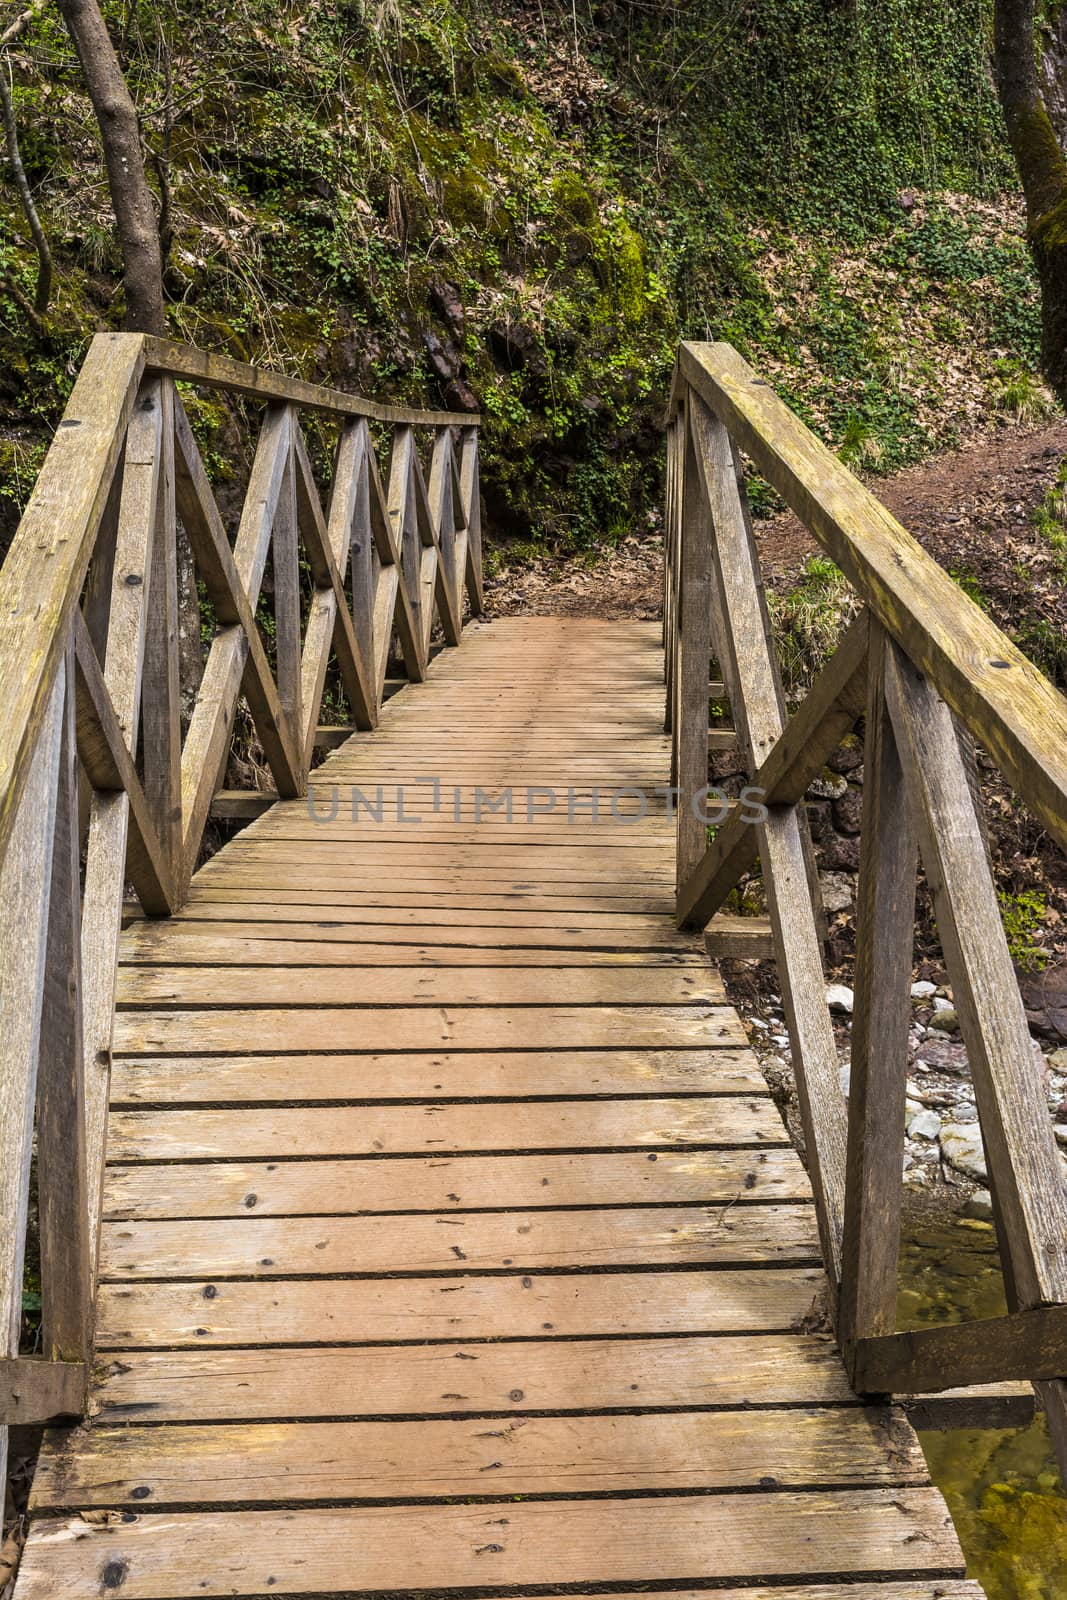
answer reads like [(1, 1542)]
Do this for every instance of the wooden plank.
[(474, 1075), (195, 944), (872, 1531), (536, 925), (361, 1310), (237, 805), (43, 573), (34, 1390), (445, 899), (882, 1019), (402, 986), (258, 383), (302, 1462), (1027, 1344), (184, 1135), (426, 1028), (742, 938), (538, 1240), (1007, 703), (514, 1377), (436, 1183)]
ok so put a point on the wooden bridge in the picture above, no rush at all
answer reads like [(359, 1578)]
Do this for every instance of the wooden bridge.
[(411, 1214)]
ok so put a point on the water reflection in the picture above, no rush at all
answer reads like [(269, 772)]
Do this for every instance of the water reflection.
[(1001, 1484)]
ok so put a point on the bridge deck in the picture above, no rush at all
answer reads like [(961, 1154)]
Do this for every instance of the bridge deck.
[(452, 1239)]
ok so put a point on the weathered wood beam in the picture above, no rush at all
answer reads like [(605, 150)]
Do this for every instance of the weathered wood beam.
[(34, 1391), (220, 372), (1007, 703), (1026, 1344)]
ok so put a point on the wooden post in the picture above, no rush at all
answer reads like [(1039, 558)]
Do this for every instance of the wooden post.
[(62, 1189), (25, 887), (748, 670), (287, 632), (694, 649), (885, 921), (1021, 1153)]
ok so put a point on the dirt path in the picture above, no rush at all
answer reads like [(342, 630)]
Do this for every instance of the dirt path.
[(972, 509)]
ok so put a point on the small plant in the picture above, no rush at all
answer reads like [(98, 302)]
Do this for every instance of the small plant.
[(969, 583), (1019, 393), (1022, 915), (810, 619)]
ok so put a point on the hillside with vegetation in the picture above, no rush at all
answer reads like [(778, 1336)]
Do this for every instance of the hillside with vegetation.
[(519, 208)]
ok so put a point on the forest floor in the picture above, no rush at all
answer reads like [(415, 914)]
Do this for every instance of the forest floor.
[(973, 509)]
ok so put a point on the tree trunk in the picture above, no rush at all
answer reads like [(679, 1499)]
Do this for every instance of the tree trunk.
[(131, 197), (1042, 171)]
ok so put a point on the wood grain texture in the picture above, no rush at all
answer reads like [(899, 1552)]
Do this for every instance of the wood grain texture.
[(1008, 704), (329, 1461), (436, 1183), (506, 1378), (438, 1547)]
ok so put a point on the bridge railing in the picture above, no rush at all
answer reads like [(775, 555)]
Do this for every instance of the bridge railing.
[(925, 667), (109, 763)]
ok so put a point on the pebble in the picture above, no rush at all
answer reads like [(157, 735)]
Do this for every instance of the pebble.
[(839, 997), (961, 1146), (945, 1020), (940, 1003), (980, 1204), (923, 990), (925, 1125)]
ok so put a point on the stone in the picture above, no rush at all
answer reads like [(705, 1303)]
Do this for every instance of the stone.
[(845, 1078), (839, 997), (912, 1108), (979, 1204), (924, 1125), (1058, 1059), (840, 852), (838, 891), (818, 818), (848, 811), (828, 785), (1045, 998), (942, 1003), (923, 990), (961, 1146), (1061, 1132), (943, 1054), (946, 1020), (847, 756)]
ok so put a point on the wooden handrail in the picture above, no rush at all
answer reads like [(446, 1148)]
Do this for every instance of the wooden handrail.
[(920, 662), (95, 761), (1006, 702)]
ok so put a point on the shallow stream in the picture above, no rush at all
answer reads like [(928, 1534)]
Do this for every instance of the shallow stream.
[(1001, 1484)]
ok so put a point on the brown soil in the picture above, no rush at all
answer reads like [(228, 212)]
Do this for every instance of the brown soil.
[(971, 509)]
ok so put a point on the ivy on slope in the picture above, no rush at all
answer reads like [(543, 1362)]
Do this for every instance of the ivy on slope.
[(522, 208)]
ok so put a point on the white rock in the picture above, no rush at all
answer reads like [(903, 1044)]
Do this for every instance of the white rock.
[(758, 1022), (923, 990), (1061, 1132), (838, 891), (925, 1125), (941, 1004), (909, 1161), (961, 1146), (911, 1108), (980, 1204), (845, 1075), (839, 997), (780, 1039)]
